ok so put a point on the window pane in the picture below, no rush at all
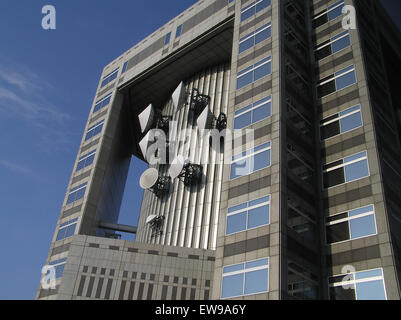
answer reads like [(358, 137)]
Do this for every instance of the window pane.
[(323, 52), (320, 21), (257, 263), (242, 121), (261, 160), (256, 281), (351, 122), (363, 227), (236, 223), (240, 168), (368, 274), (326, 89), (335, 13), (372, 290), (244, 80), (247, 14), (246, 45), (232, 286), (339, 293), (59, 270), (261, 112), (60, 234), (341, 44), (262, 5), (258, 217), (261, 36), (356, 171), (345, 80), (330, 130), (262, 71), (337, 232), (334, 178)]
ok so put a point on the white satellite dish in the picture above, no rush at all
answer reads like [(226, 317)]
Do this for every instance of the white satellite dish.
[(144, 144), (179, 96), (146, 118), (176, 167), (205, 119), (149, 178), (151, 218)]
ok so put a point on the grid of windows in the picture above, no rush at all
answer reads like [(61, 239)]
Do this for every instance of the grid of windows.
[(59, 266), (249, 215), (342, 122), (362, 285), (336, 82), (346, 170), (253, 113), (254, 73), (255, 38), (251, 160), (355, 224), (102, 103), (94, 130), (77, 193), (254, 8), (332, 46), (331, 13), (86, 160), (109, 78), (67, 229), (245, 279)]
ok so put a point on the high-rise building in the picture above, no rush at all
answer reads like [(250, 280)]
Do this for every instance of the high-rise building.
[(309, 207)]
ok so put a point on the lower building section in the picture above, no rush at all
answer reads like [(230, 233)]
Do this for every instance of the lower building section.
[(107, 269)]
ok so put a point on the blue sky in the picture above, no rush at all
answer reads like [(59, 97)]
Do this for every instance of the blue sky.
[(47, 82)]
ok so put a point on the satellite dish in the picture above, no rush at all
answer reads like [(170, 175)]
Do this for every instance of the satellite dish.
[(149, 178), (176, 167), (205, 119), (144, 144), (151, 218), (179, 96), (146, 118)]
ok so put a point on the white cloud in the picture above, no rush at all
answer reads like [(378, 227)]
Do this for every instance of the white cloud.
[(15, 167)]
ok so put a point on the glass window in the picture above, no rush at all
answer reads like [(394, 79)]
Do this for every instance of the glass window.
[(346, 170), (59, 266), (67, 229), (249, 215), (254, 73), (94, 130), (254, 113), (179, 31), (351, 225), (109, 78), (167, 38), (331, 13), (245, 279), (86, 160), (255, 38), (334, 45), (251, 161), (100, 104), (338, 81), (342, 122), (77, 193), (363, 285), (254, 8)]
